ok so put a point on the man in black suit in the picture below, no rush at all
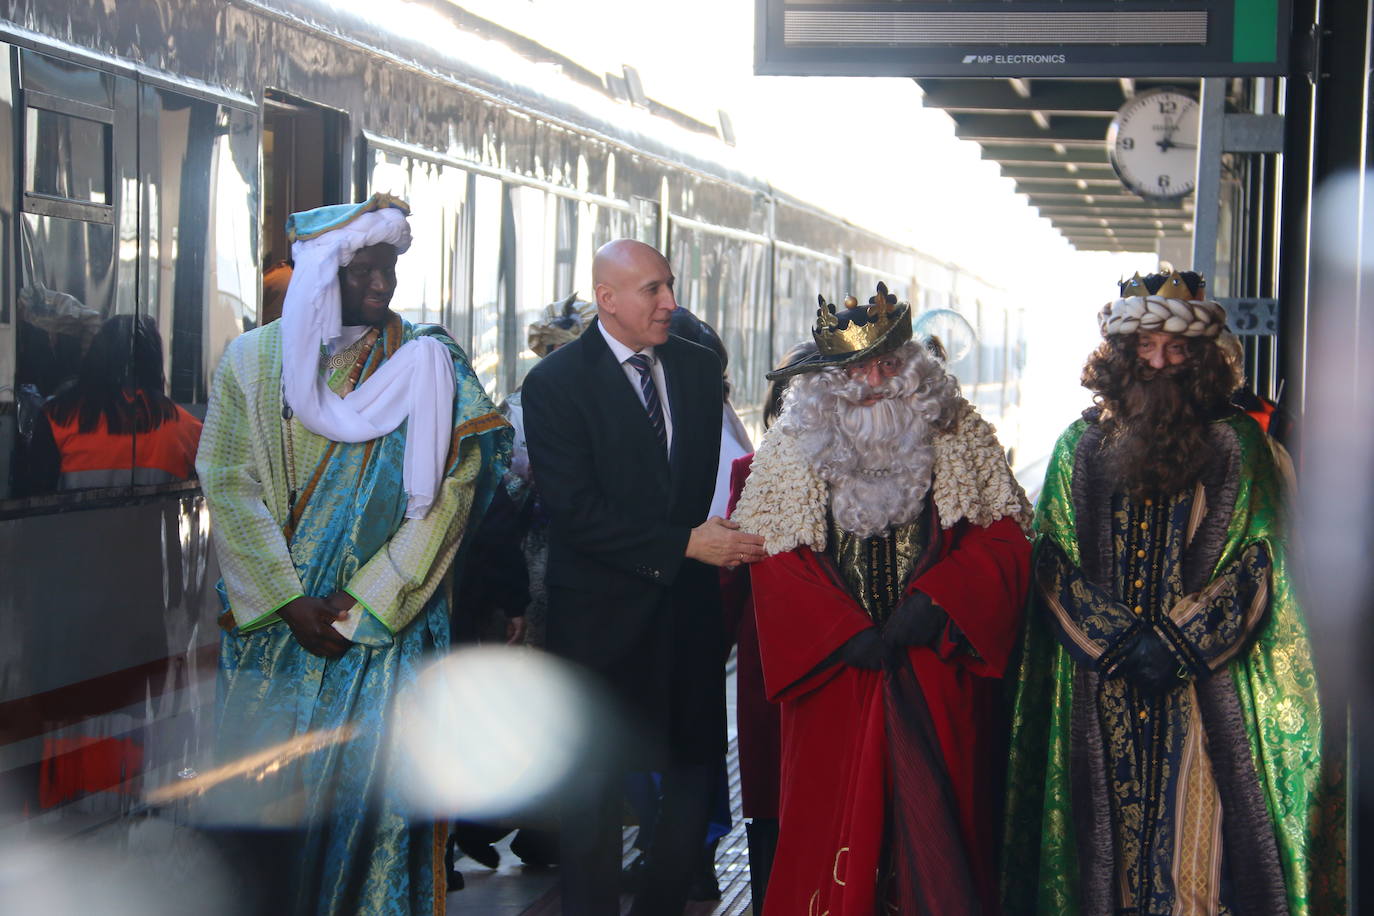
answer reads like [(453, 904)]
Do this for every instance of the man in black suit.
[(623, 425)]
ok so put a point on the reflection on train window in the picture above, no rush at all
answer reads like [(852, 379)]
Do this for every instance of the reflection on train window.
[(723, 281), (197, 163), (113, 426), (535, 216), (800, 278), (565, 255), (66, 290), (488, 294), (429, 279), (586, 243), (122, 318), (66, 156)]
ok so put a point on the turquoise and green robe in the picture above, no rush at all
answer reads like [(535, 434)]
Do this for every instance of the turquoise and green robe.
[(362, 851), (1214, 797)]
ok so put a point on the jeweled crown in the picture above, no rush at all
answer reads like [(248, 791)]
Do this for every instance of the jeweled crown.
[(858, 328), (1174, 286)]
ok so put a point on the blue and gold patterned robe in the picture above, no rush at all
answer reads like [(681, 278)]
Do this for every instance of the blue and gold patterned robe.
[(361, 851)]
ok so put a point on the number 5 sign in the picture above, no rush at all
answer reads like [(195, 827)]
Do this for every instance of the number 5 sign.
[(1252, 317)]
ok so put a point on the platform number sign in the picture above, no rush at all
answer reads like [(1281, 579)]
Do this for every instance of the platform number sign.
[(1252, 317)]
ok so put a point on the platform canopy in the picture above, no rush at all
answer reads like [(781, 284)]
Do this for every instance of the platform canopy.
[(1049, 136)]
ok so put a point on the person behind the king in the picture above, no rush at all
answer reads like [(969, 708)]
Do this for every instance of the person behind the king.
[(345, 453), (1167, 736), (886, 608)]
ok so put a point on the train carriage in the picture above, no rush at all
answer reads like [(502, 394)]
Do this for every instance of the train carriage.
[(154, 152)]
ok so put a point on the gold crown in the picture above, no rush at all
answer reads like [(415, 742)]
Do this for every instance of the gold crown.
[(842, 336), (1175, 287)]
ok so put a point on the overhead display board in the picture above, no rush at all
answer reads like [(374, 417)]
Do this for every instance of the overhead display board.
[(1022, 38)]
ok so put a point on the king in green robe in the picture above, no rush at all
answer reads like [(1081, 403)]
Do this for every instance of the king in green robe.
[(1167, 746)]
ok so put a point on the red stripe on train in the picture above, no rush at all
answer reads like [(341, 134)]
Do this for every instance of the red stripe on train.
[(30, 716), (74, 767)]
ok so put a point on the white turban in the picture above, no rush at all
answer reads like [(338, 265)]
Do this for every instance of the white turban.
[(415, 383)]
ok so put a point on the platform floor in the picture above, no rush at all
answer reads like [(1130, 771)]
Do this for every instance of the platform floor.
[(513, 890)]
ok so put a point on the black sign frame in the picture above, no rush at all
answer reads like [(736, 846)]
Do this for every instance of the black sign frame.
[(1236, 43)]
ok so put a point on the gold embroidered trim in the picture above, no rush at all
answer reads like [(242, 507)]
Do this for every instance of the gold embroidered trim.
[(1197, 811)]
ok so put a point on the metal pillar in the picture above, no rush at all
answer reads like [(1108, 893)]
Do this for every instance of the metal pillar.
[(1207, 188)]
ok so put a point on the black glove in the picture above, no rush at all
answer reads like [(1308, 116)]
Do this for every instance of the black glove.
[(916, 621), (1148, 664), (863, 650)]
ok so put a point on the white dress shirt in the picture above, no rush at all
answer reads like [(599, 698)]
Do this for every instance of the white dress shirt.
[(623, 353), (734, 443)]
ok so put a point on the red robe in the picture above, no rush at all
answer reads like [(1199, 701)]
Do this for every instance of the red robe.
[(877, 766)]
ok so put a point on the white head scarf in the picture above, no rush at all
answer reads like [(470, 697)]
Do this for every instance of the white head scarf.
[(415, 383)]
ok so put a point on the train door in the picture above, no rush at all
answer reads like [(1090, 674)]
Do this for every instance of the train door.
[(303, 149)]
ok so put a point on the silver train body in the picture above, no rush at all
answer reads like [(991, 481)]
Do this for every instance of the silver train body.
[(154, 150)]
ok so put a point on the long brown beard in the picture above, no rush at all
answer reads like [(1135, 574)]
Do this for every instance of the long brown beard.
[(1157, 441)]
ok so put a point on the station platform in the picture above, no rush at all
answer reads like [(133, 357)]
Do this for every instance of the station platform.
[(514, 890)]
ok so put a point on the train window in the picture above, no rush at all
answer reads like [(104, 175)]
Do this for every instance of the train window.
[(587, 244), (613, 223), (488, 288), (197, 161), (565, 257), (646, 220), (66, 156), (141, 301), (535, 216), (75, 274), (799, 280), (430, 279), (420, 274), (723, 281)]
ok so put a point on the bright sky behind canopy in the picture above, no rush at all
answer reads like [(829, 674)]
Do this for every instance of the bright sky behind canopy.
[(862, 148)]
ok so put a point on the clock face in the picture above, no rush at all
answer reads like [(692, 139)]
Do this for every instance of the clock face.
[(1152, 144)]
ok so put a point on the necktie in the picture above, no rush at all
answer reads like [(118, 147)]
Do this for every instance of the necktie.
[(651, 402)]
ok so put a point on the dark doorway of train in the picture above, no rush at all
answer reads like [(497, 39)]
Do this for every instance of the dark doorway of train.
[(303, 148)]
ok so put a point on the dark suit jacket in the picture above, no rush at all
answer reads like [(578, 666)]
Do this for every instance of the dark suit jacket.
[(623, 599)]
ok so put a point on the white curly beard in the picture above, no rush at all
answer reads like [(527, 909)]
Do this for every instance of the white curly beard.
[(877, 459)]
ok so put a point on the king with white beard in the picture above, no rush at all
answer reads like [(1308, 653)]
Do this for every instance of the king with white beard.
[(887, 609)]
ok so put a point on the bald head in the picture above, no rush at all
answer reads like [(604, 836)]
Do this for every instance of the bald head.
[(634, 293)]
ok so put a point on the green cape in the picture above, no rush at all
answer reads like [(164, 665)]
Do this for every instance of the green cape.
[(1275, 681)]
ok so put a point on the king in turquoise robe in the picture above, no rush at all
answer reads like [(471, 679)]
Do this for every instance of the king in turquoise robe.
[(326, 722)]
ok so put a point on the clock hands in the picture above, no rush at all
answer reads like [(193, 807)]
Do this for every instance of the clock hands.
[(1167, 143)]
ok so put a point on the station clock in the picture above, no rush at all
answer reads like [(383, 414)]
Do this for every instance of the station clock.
[(1152, 144)]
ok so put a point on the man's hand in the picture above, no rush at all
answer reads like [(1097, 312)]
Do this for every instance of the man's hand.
[(515, 631), (721, 543), (310, 619)]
